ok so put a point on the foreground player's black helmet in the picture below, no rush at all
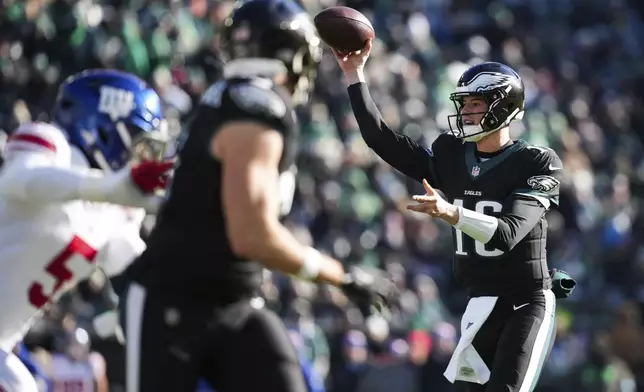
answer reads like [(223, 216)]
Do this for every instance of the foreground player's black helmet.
[(258, 31), (503, 91)]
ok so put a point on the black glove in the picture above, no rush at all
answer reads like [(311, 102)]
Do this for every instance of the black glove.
[(562, 283), (369, 288)]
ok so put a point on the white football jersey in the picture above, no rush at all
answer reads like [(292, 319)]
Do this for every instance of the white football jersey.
[(71, 376), (45, 247)]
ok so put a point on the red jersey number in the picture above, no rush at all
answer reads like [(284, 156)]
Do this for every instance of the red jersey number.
[(57, 268)]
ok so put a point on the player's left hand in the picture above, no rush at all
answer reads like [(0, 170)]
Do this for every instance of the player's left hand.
[(432, 204)]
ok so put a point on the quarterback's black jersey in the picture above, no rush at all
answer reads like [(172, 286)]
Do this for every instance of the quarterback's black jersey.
[(517, 185), (188, 247)]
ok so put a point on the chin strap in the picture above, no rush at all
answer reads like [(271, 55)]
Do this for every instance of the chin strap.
[(477, 132)]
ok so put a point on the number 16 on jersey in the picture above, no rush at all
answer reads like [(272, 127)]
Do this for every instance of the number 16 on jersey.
[(463, 242)]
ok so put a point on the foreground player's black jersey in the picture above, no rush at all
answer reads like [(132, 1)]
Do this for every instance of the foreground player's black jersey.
[(517, 185), (188, 248)]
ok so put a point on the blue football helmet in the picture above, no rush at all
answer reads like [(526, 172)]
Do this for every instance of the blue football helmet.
[(113, 117)]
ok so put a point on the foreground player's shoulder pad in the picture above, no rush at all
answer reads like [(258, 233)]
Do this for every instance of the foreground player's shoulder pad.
[(260, 100), (543, 174), (255, 98), (238, 100)]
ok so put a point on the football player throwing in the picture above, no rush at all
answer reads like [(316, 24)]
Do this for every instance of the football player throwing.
[(496, 194)]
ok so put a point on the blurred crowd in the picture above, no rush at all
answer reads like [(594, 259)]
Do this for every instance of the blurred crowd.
[(583, 65)]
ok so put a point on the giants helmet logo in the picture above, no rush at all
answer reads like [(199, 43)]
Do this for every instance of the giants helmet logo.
[(116, 103)]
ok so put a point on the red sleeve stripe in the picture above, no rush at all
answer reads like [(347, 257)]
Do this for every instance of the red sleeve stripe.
[(32, 139)]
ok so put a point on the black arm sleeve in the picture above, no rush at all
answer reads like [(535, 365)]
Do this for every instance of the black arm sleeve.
[(526, 206), (519, 216), (402, 153)]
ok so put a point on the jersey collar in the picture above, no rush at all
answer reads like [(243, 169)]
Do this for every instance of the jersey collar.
[(476, 169)]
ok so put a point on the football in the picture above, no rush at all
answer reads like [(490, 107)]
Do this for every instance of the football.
[(343, 28)]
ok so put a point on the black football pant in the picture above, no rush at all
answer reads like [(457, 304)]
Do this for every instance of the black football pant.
[(515, 342), (172, 342)]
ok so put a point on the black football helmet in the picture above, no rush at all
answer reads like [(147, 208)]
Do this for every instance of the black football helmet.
[(503, 91), (260, 30)]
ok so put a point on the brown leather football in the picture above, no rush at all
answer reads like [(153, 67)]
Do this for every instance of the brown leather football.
[(343, 28)]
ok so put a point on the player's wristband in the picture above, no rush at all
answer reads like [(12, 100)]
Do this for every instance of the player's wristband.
[(355, 77), (479, 226), (311, 264)]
